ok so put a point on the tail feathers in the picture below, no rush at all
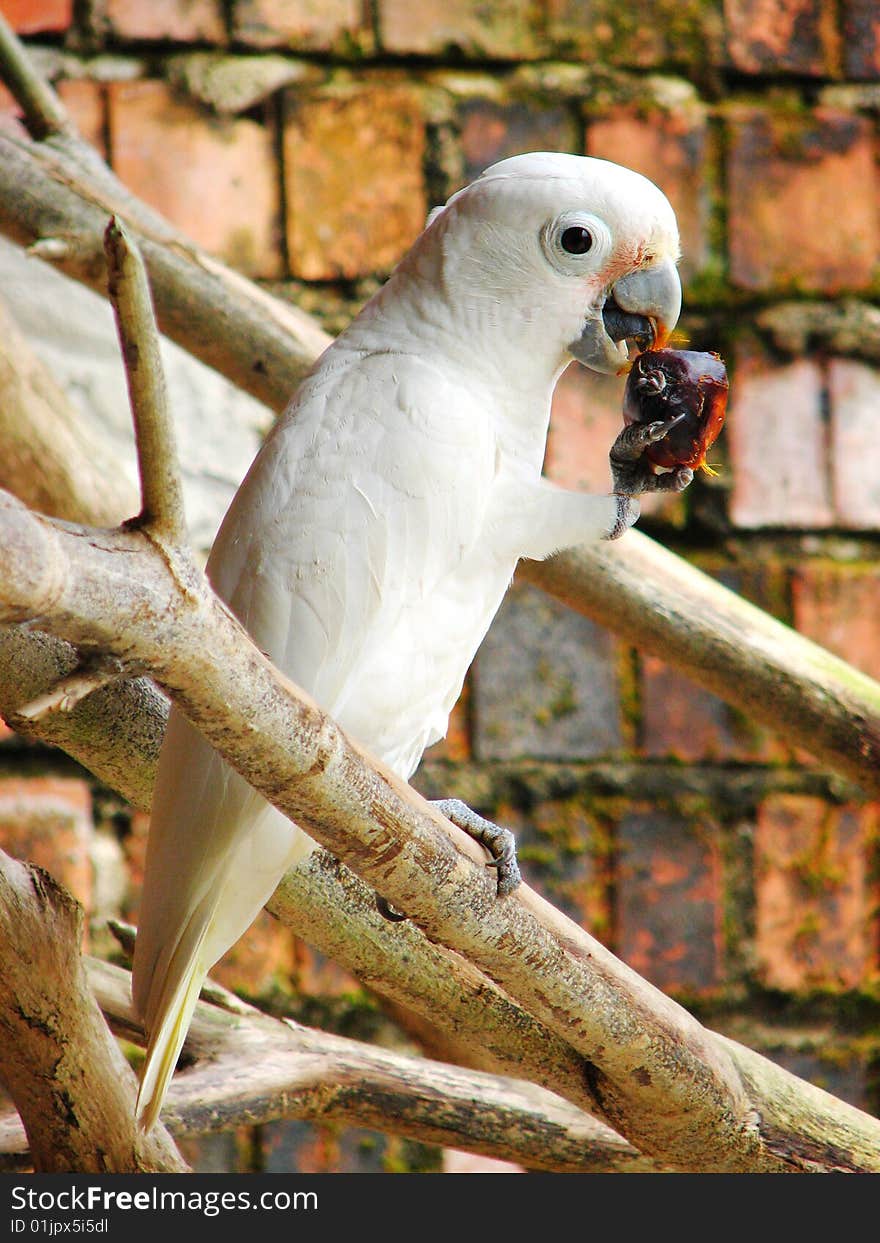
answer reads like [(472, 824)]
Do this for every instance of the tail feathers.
[(166, 1041)]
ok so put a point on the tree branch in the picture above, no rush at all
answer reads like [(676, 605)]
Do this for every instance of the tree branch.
[(161, 490), (51, 1028), (251, 1069), (652, 1072), (44, 113)]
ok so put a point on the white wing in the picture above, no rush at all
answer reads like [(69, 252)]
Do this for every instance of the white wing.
[(352, 520)]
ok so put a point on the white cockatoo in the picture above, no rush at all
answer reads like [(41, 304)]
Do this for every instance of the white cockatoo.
[(372, 541)]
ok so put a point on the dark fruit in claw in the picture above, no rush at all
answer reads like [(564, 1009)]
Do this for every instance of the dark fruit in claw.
[(664, 384)]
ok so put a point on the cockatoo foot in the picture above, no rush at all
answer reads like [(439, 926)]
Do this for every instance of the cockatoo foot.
[(633, 473), (500, 842)]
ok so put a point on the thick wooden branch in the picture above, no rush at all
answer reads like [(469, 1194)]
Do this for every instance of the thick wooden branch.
[(652, 1071), (67, 1076), (250, 1069)]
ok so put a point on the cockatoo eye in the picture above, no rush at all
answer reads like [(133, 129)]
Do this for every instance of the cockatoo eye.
[(576, 240), (576, 243)]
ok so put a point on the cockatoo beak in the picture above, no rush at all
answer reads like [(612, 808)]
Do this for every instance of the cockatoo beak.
[(642, 308)]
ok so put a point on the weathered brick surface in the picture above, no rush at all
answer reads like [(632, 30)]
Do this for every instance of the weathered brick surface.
[(48, 821), (491, 130), (777, 439), (214, 177), (815, 900), (861, 39), (644, 33), (343, 225), (839, 607), (787, 172), (854, 398), (29, 17), (669, 901), (306, 1148), (671, 148), (182, 21), (85, 102), (799, 36), (545, 684), (300, 24), (505, 28), (681, 720)]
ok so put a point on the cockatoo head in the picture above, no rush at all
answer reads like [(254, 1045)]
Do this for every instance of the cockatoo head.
[(575, 255)]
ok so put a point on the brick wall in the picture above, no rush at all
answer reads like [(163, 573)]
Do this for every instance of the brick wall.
[(304, 142)]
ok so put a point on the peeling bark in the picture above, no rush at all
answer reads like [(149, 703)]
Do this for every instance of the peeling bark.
[(58, 1060)]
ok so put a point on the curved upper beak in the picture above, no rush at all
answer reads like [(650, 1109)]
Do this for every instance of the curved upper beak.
[(642, 308)]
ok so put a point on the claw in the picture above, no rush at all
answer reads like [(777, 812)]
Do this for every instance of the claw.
[(500, 842), (387, 911), (656, 431)]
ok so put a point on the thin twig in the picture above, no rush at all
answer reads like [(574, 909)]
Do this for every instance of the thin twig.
[(69, 691), (161, 489), (44, 113)]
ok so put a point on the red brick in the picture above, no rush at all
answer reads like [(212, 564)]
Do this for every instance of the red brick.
[(861, 39), (545, 684), (30, 17), (839, 607), (586, 417), (213, 177), (814, 898), (506, 28), (48, 821), (777, 440), (669, 901), (184, 21), (85, 102), (671, 149), (492, 131), (797, 36), (642, 33), (309, 1148), (355, 186), (854, 392), (681, 720), (300, 24), (788, 173)]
